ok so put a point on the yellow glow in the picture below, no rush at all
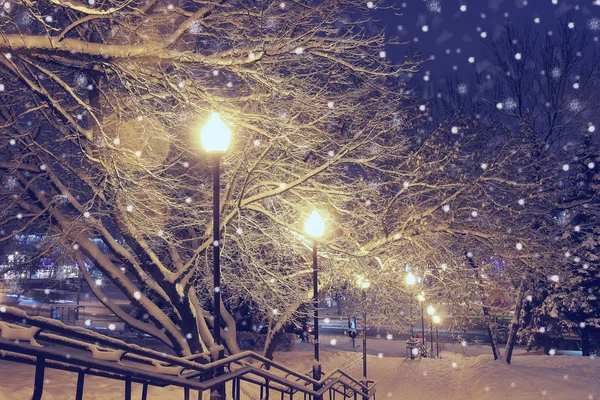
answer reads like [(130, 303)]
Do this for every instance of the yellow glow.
[(430, 310), (436, 319), (410, 279), (215, 135), (362, 283), (314, 225), (421, 297)]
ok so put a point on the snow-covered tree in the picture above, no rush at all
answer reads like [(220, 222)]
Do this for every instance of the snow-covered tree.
[(100, 113), (546, 86), (101, 109)]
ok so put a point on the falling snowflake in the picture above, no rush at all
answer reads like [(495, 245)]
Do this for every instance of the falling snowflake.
[(11, 183), (195, 28), (24, 19), (434, 6), (462, 89), (510, 103), (80, 80), (574, 105), (555, 72)]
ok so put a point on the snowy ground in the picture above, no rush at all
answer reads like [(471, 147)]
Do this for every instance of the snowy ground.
[(456, 376)]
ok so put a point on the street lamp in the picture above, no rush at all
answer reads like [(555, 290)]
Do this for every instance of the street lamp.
[(410, 281), (431, 311), (364, 284), (421, 298), (436, 321), (215, 137), (314, 227)]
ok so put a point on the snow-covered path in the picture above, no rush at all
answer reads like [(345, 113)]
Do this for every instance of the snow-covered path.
[(454, 377)]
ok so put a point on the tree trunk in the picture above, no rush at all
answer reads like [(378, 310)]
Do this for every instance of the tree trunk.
[(271, 343), (486, 313), (585, 341), (491, 335), (514, 324)]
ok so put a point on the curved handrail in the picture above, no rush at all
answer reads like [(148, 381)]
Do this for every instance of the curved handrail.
[(302, 383)]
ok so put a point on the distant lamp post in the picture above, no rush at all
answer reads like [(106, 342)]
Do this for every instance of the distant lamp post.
[(410, 281), (431, 311), (314, 227), (437, 320), (364, 284), (421, 298), (215, 137)]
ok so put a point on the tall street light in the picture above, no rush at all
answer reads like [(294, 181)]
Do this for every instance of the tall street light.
[(364, 284), (314, 227), (215, 137), (410, 281), (421, 298), (436, 321), (431, 311)]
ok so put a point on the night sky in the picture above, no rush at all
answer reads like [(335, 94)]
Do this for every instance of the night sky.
[(451, 31)]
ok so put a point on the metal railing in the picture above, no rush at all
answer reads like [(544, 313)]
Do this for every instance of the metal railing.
[(21, 333)]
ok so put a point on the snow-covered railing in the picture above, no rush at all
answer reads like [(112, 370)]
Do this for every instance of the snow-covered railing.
[(115, 359)]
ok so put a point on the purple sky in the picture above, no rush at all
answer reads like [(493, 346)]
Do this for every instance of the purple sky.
[(439, 28)]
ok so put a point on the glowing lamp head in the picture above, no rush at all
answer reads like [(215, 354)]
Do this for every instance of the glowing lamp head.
[(421, 297), (363, 283), (430, 310), (410, 279), (436, 319), (215, 135), (314, 225)]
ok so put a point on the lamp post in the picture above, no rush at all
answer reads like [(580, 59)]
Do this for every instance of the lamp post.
[(314, 227), (436, 321), (364, 284), (431, 311), (215, 137), (421, 298), (410, 281)]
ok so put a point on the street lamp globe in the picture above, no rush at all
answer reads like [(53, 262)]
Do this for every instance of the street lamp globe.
[(215, 135), (314, 225), (363, 283), (421, 297), (430, 310), (436, 319), (410, 279)]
